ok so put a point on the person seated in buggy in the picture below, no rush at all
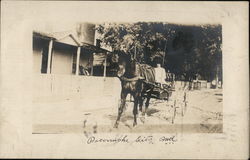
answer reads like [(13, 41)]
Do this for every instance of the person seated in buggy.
[(163, 88), (160, 75), (163, 80)]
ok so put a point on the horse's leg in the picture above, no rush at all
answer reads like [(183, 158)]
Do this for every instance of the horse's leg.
[(141, 98), (121, 107), (135, 110), (147, 103), (140, 101)]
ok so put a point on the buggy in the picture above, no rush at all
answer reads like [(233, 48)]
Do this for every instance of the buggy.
[(162, 91)]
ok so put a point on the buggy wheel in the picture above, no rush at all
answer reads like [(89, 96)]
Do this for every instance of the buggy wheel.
[(174, 112), (184, 106)]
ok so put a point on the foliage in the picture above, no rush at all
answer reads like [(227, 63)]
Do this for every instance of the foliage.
[(187, 51)]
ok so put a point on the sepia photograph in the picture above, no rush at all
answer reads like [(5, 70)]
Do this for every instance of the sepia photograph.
[(124, 80), (128, 78)]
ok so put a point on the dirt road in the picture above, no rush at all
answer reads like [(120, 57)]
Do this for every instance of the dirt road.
[(203, 114)]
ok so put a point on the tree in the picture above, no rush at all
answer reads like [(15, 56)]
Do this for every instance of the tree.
[(210, 47), (184, 50), (147, 40)]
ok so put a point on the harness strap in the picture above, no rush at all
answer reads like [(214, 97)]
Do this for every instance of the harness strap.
[(130, 79)]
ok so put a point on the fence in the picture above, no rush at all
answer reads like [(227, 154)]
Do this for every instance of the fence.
[(195, 85), (53, 87)]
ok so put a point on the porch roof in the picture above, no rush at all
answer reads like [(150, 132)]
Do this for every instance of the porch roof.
[(61, 36)]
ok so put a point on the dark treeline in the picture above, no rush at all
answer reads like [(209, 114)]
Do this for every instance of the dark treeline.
[(187, 51)]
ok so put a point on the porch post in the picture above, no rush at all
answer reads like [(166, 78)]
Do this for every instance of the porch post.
[(92, 64), (49, 56), (77, 60), (105, 66), (217, 76)]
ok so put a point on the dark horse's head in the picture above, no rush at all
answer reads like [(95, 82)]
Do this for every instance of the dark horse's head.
[(127, 66)]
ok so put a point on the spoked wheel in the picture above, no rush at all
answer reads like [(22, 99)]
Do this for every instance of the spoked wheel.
[(184, 105), (174, 111)]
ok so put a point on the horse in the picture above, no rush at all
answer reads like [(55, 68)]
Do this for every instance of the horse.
[(133, 76)]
